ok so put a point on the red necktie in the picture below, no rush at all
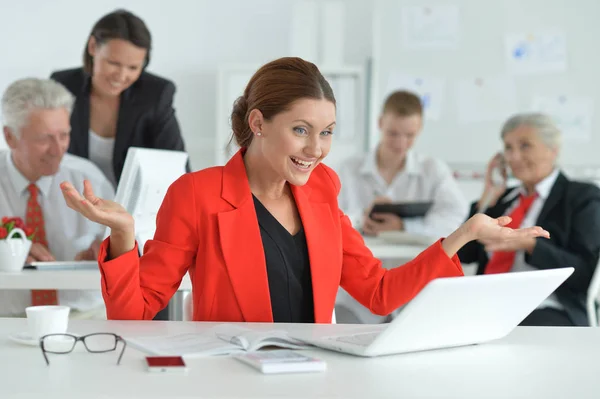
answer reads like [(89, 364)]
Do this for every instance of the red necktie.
[(502, 262), (35, 220)]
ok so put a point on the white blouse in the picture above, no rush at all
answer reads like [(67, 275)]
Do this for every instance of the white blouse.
[(101, 153)]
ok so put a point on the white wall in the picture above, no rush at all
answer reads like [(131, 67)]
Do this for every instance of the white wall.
[(191, 38), (480, 53)]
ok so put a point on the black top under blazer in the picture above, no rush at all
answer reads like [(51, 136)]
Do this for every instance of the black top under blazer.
[(146, 116), (288, 269), (571, 214)]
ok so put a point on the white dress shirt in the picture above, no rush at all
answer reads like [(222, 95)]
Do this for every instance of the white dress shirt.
[(542, 189), (422, 179), (101, 153), (67, 231)]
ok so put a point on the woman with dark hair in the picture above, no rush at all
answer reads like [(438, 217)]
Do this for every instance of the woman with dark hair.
[(118, 104), (263, 237)]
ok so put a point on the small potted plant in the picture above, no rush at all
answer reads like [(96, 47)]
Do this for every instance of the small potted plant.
[(15, 242)]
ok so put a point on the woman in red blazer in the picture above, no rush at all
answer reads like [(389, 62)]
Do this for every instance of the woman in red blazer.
[(262, 237)]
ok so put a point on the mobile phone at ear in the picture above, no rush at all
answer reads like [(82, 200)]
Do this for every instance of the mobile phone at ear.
[(166, 364), (500, 173)]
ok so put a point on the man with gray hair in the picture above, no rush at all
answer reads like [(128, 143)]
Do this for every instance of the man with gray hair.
[(36, 118), (567, 209)]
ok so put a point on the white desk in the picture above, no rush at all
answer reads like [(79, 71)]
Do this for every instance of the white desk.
[(90, 279), (391, 255), (385, 251), (78, 280), (60, 280), (530, 363)]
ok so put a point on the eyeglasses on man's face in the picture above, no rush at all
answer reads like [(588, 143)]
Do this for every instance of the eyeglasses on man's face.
[(94, 343)]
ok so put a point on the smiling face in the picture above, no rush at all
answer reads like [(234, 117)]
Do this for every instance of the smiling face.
[(117, 64), (39, 148), (295, 141), (528, 157)]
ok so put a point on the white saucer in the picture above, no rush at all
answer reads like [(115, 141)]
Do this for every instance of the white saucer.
[(24, 338)]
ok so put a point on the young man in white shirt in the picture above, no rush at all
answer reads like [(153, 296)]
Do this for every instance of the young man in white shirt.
[(393, 172), (36, 116)]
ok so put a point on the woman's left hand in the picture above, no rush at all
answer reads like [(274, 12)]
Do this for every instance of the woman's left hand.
[(492, 231), (523, 244)]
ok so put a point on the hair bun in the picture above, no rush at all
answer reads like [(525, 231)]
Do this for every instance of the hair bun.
[(239, 123)]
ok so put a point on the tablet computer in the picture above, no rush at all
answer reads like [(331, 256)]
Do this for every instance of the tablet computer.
[(403, 209), (64, 265)]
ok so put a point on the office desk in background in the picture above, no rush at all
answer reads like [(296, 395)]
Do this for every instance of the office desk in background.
[(348, 309), (400, 253), (532, 362), (90, 279)]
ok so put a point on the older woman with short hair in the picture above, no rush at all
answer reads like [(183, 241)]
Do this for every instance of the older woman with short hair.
[(569, 210)]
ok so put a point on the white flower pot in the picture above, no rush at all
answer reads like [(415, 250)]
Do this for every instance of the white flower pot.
[(14, 251)]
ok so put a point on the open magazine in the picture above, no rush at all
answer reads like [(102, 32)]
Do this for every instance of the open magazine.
[(223, 339)]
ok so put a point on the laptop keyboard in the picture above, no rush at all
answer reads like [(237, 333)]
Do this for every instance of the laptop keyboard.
[(360, 339)]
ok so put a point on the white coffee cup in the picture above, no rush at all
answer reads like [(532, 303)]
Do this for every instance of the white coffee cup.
[(44, 320)]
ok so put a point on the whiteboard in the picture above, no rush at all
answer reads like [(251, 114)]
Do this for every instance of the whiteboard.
[(347, 84), (475, 50)]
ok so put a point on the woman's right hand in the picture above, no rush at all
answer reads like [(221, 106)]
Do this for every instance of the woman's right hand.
[(98, 210), (493, 190), (105, 212)]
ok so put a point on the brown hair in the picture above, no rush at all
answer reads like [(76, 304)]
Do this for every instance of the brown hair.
[(119, 24), (403, 103), (273, 88)]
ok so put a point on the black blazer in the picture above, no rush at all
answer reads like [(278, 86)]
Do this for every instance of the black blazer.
[(146, 116), (571, 214)]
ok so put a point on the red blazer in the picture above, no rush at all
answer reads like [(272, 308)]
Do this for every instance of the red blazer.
[(207, 226)]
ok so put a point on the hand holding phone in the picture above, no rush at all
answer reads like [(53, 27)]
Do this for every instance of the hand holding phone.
[(498, 172), (495, 182)]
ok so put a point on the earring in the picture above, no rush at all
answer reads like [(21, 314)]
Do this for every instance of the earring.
[(258, 133)]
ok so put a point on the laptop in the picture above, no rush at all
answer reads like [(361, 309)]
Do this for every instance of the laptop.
[(451, 312)]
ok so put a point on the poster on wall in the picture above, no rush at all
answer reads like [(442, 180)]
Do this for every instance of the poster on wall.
[(533, 53), (572, 115), (485, 99), (430, 89), (430, 26)]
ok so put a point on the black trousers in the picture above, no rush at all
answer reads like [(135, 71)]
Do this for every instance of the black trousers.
[(547, 317)]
